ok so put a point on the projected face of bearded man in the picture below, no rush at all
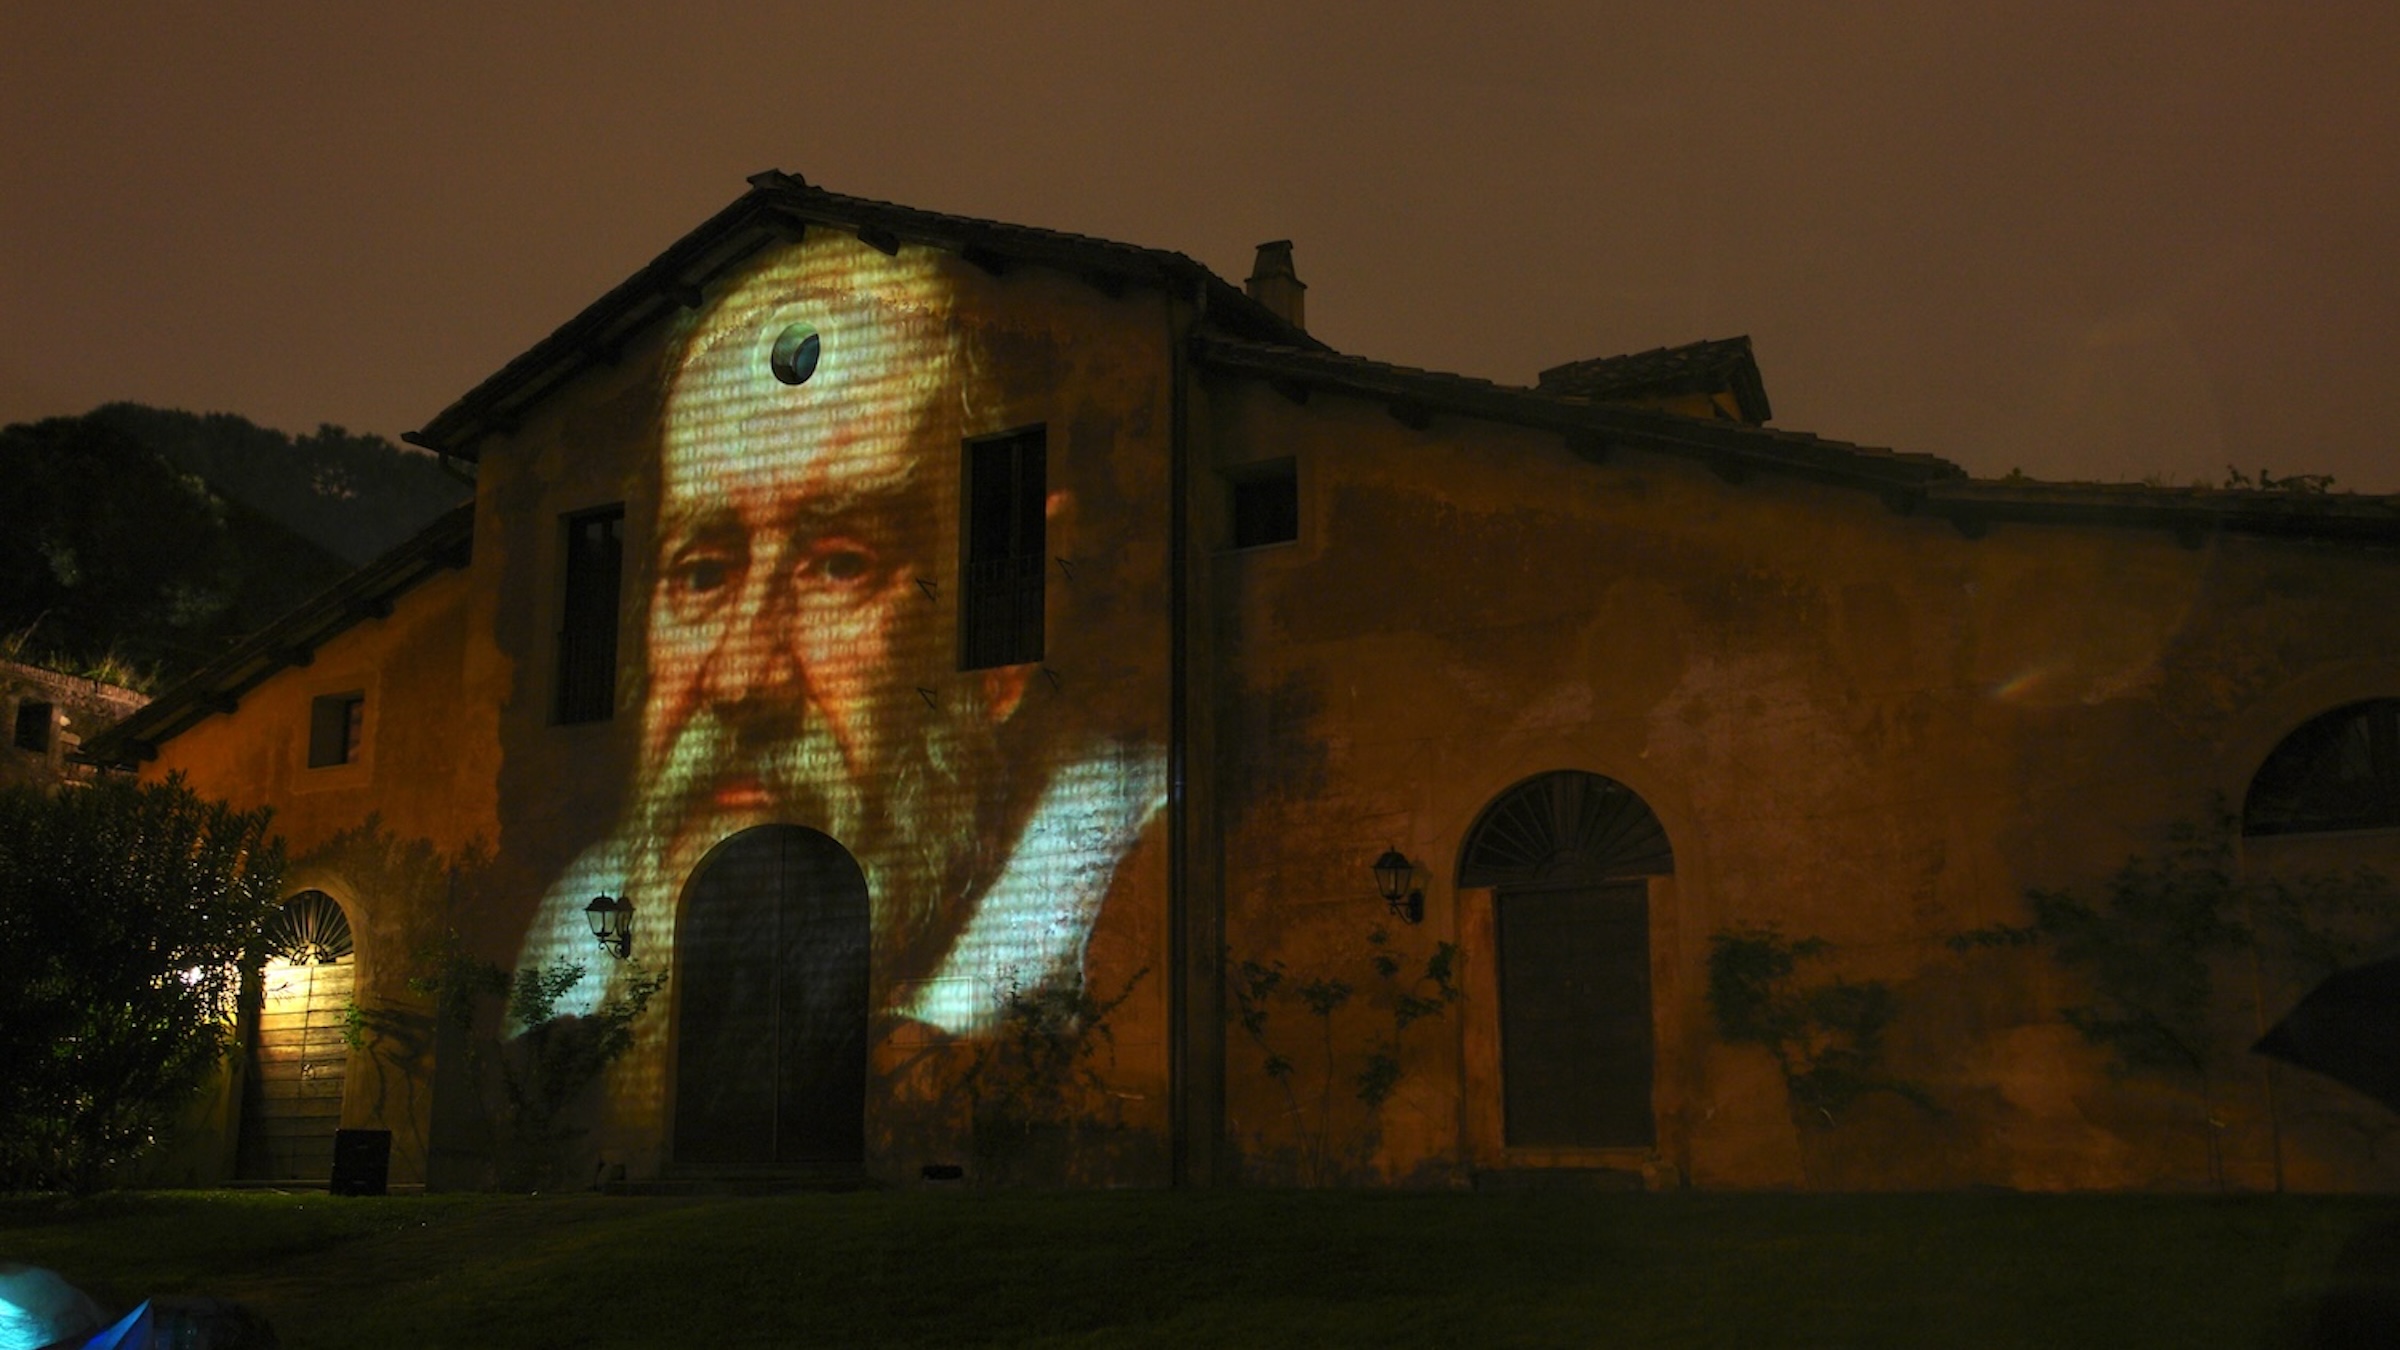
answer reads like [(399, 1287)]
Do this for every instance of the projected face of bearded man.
[(808, 469)]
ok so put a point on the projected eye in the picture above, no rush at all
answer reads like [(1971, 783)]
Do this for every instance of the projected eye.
[(701, 573), (795, 356), (839, 564)]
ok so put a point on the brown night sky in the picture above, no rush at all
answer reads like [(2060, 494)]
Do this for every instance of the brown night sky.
[(2100, 241)]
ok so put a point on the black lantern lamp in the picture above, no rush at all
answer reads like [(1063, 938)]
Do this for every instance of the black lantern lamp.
[(1393, 871), (612, 923)]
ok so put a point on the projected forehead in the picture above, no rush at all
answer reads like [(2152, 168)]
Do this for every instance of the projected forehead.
[(818, 374)]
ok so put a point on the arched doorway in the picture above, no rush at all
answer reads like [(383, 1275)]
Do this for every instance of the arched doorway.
[(299, 1059), (771, 1023), (1567, 855)]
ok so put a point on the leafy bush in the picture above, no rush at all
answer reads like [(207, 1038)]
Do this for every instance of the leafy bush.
[(126, 914)]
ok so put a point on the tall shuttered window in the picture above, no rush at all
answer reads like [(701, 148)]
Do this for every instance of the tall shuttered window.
[(1000, 617), (587, 633)]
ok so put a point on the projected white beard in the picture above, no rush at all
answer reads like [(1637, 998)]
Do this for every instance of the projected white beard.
[(926, 830)]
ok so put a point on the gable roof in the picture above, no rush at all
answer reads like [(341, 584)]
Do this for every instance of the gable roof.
[(1718, 366), (780, 207), (1908, 482), (1592, 427)]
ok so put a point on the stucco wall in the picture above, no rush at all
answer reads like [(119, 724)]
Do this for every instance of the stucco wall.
[(1854, 725), (396, 836)]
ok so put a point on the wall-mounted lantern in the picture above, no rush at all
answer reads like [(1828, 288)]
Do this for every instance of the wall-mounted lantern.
[(1393, 872), (612, 923)]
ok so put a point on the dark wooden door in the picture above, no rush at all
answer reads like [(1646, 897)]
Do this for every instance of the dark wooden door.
[(771, 976), (1575, 1047)]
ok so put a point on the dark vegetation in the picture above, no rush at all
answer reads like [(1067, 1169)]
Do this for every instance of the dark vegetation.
[(353, 496), (526, 1081), (126, 914), (2155, 945), (1037, 1091), (1390, 1005), (137, 543), (1826, 1035), (1234, 1268)]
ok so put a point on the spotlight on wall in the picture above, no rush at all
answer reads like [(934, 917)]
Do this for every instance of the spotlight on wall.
[(612, 923), (1393, 872)]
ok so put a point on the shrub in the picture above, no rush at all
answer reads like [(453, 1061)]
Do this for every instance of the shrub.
[(126, 914)]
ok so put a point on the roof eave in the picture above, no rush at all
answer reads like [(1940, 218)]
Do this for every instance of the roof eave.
[(782, 207), (292, 640), (1732, 450)]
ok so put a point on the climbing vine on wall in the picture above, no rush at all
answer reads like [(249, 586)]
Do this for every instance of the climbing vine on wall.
[(1309, 1068), (1826, 1035), (2151, 942)]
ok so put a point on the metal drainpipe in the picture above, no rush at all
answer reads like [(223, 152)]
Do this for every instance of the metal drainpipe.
[(1179, 1077)]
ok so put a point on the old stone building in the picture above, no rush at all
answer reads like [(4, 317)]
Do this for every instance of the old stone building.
[(49, 714), (981, 669)]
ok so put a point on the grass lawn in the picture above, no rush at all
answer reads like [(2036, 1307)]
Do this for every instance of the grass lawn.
[(1227, 1268)]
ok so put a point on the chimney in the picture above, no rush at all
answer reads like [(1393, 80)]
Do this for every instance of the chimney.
[(1274, 284)]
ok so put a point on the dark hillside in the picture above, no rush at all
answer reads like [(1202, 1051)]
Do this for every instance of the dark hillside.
[(114, 562), (354, 496)]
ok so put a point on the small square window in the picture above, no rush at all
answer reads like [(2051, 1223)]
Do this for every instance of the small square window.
[(1266, 504), (335, 724), (34, 720)]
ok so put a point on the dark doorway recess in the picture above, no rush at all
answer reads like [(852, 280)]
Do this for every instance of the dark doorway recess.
[(771, 980), (1575, 1058), (1567, 854)]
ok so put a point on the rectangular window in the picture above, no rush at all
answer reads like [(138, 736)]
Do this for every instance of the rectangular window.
[(33, 726), (587, 633), (1266, 504), (1000, 615), (336, 727)]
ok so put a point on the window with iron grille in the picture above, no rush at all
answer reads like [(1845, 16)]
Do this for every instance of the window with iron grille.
[(587, 632), (1000, 612)]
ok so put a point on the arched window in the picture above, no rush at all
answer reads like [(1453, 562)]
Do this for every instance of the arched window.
[(1562, 828), (2339, 771), (311, 931)]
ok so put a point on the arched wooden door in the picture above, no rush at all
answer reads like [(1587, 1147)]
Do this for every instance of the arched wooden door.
[(1566, 854), (299, 1060), (771, 981)]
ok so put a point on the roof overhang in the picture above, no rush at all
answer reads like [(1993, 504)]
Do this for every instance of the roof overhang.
[(780, 207), (218, 687)]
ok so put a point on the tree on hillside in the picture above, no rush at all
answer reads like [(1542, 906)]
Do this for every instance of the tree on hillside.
[(107, 550), (353, 495), (126, 912)]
